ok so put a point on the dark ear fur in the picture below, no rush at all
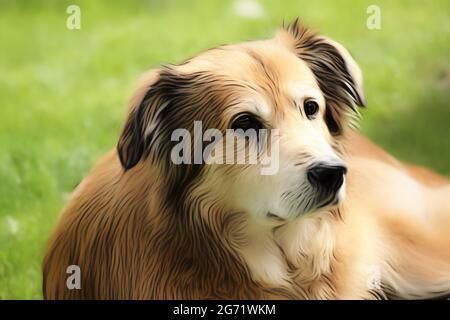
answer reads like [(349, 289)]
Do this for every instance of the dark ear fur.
[(141, 125), (332, 68), (167, 102), (131, 142)]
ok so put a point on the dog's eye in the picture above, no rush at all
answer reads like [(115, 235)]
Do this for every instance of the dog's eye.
[(311, 108), (246, 121)]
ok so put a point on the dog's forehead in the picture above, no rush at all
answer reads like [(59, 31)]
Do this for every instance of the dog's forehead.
[(256, 63)]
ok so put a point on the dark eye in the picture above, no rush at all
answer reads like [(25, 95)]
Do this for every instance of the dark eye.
[(246, 121), (311, 108)]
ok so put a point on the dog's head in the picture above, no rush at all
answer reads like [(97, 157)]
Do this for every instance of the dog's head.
[(303, 85)]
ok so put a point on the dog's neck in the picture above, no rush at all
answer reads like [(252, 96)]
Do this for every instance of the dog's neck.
[(296, 254)]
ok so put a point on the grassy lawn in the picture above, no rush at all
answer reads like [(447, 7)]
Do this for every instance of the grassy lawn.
[(63, 92)]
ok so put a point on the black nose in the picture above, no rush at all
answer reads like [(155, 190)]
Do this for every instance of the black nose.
[(327, 176)]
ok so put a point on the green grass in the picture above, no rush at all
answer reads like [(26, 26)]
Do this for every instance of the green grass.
[(62, 92)]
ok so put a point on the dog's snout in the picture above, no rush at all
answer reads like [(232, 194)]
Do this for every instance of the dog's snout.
[(327, 176)]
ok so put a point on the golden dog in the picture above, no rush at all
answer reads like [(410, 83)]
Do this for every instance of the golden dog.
[(340, 218)]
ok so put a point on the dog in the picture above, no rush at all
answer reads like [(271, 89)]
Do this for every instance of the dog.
[(339, 219)]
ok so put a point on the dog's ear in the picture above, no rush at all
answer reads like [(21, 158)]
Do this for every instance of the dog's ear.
[(338, 75), (145, 115)]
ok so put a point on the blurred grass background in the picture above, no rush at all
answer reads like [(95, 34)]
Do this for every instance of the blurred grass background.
[(63, 92)]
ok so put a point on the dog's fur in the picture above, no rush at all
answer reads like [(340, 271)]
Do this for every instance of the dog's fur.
[(141, 227)]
